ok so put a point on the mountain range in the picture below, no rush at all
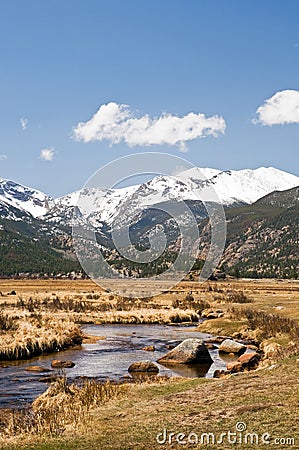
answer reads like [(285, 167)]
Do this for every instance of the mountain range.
[(231, 187), (261, 207)]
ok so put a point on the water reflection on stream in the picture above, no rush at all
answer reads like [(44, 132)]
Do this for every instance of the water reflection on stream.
[(107, 358)]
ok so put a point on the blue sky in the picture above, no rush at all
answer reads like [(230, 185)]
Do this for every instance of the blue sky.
[(62, 60)]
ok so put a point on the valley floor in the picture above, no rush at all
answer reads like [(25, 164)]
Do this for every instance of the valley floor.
[(264, 401)]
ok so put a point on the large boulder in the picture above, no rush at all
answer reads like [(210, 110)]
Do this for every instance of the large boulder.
[(144, 367), (230, 346), (247, 361), (190, 351), (246, 358)]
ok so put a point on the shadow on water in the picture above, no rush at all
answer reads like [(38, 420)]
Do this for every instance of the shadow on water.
[(189, 370)]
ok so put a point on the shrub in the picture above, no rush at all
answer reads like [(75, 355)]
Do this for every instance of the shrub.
[(7, 323), (195, 305), (236, 296), (270, 325)]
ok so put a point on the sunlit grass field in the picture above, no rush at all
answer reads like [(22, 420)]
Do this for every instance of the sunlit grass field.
[(91, 417)]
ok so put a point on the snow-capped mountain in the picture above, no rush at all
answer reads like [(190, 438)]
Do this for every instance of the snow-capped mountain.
[(9, 212), (208, 185), (102, 204), (36, 230), (105, 205), (246, 186), (24, 198)]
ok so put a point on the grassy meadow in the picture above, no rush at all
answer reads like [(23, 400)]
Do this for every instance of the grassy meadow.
[(37, 315)]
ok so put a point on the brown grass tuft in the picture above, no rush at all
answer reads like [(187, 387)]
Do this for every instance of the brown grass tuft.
[(61, 408), (35, 335)]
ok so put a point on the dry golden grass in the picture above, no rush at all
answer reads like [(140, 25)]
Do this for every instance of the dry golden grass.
[(265, 400), (70, 417), (62, 408), (42, 305), (270, 295), (33, 335)]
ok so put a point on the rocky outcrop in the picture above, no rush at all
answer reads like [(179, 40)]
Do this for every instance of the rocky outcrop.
[(190, 351), (247, 361), (230, 346)]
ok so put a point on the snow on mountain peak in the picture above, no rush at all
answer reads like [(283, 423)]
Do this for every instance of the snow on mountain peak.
[(22, 197), (248, 185), (227, 187)]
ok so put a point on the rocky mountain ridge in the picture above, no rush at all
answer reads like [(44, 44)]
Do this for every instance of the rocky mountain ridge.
[(262, 238)]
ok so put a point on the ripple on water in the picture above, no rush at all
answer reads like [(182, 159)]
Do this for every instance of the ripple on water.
[(107, 358)]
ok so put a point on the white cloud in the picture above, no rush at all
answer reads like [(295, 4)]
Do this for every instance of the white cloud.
[(3, 157), (47, 154), (116, 123), (24, 123), (281, 108)]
